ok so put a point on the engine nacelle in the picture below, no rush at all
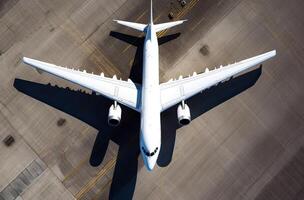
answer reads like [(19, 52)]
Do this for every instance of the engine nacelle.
[(183, 114), (114, 115)]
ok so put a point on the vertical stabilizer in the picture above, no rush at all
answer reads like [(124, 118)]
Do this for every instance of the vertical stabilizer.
[(151, 13), (163, 26)]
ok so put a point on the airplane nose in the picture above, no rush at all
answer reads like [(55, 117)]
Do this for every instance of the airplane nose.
[(150, 164)]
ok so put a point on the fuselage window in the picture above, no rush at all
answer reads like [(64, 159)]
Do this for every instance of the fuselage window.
[(148, 153)]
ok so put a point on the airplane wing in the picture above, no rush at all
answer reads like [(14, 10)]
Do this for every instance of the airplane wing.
[(124, 92), (175, 91)]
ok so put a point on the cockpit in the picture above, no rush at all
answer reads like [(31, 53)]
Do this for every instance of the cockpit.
[(147, 153)]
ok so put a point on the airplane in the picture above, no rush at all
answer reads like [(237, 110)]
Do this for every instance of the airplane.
[(152, 97)]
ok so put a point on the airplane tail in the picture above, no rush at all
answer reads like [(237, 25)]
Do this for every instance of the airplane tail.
[(142, 27), (136, 26), (163, 26), (151, 13)]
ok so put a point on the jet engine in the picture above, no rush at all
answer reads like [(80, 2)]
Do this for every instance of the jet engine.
[(114, 115), (183, 114)]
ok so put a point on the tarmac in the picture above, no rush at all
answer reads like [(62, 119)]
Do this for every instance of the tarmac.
[(246, 138)]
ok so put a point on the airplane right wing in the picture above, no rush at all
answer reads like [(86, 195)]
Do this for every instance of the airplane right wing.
[(175, 91)]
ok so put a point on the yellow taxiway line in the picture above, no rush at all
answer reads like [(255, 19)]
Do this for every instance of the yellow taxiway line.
[(198, 23), (75, 170), (102, 189), (90, 48), (93, 181)]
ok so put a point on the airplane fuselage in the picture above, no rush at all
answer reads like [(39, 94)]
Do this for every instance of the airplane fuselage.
[(150, 128)]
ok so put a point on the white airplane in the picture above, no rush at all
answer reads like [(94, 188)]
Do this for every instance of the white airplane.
[(151, 98)]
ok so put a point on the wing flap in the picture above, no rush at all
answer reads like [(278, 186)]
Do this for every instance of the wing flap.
[(173, 92), (124, 92)]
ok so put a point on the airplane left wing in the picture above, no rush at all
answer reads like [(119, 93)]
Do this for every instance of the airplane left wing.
[(175, 91), (124, 92)]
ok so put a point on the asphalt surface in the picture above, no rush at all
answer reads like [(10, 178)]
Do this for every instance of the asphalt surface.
[(246, 137)]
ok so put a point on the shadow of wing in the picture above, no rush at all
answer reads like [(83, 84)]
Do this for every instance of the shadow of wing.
[(217, 95), (89, 108), (199, 104)]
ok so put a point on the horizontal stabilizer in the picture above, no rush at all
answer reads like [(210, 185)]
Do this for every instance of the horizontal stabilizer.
[(136, 26), (163, 26)]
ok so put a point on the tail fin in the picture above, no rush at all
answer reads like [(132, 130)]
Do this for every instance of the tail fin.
[(151, 13), (163, 26), (158, 27), (136, 26)]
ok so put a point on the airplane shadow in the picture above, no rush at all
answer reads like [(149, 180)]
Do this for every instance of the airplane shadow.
[(93, 110), (138, 42)]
